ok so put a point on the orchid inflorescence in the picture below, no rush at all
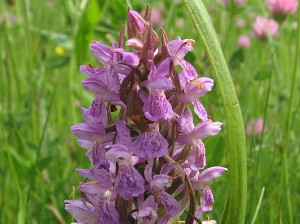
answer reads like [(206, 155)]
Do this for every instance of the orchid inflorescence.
[(146, 160)]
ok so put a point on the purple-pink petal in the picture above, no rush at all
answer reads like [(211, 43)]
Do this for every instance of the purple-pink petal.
[(169, 203), (157, 107), (147, 214), (198, 214), (208, 175), (92, 71), (119, 153), (96, 174), (186, 46), (96, 151), (160, 83), (159, 182), (127, 58), (207, 128), (188, 71), (207, 83), (178, 48), (99, 89), (162, 69), (95, 115), (167, 168), (129, 183), (108, 214), (102, 52), (185, 122), (174, 45), (122, 70), (200, 110), (123, 132), (104, 212), (85, 132), (136, 21), (148, 172), (135, 43), (96, 192), (156, 79), (83, 213), (196, 89), (197, 159), (151, 143), (207, 199), (201, 131)]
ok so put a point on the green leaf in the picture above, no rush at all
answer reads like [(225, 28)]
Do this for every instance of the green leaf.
[(55, 62), (44, 162), (235, 210), (215, 145), (22, 209), (61, 39), (21, 164), (263, 74), (236, 59)]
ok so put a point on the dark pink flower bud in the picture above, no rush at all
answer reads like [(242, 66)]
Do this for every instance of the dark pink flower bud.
[(135, 43)]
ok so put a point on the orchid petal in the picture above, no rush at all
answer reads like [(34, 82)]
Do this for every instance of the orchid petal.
[(83, 213), (185, 122), (124, 137), (151, 143), (169, 203), (207, 199), (102, 52), (157, 107), (95, 174), (129, 182), (92, 71), (200, 110)]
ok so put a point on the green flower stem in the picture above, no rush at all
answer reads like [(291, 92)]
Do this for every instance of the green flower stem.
[(235, 133)]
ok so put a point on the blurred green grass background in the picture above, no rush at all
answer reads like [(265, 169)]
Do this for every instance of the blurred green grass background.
[(42, 44)]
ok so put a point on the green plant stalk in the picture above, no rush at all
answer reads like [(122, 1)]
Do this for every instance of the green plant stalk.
[(71, 86), (34, 167), (235, 133), (258, 205), (128, 3), (170, 14), (285, 169)]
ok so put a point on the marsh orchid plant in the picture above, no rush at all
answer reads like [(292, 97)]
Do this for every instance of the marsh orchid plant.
[(148, 156)]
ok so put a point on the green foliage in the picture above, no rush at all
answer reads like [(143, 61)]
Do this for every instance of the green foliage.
[(263, 73), (85, 31)]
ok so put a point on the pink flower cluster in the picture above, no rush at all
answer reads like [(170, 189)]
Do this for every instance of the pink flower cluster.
[(255, 127), (264, 28), (282, 7), (244, 41)]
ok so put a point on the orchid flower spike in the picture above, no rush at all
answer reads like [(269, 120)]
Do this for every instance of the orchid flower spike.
[(139, 126)]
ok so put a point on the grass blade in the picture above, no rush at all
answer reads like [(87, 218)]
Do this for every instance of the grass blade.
[(258, 205), (235, 133)]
